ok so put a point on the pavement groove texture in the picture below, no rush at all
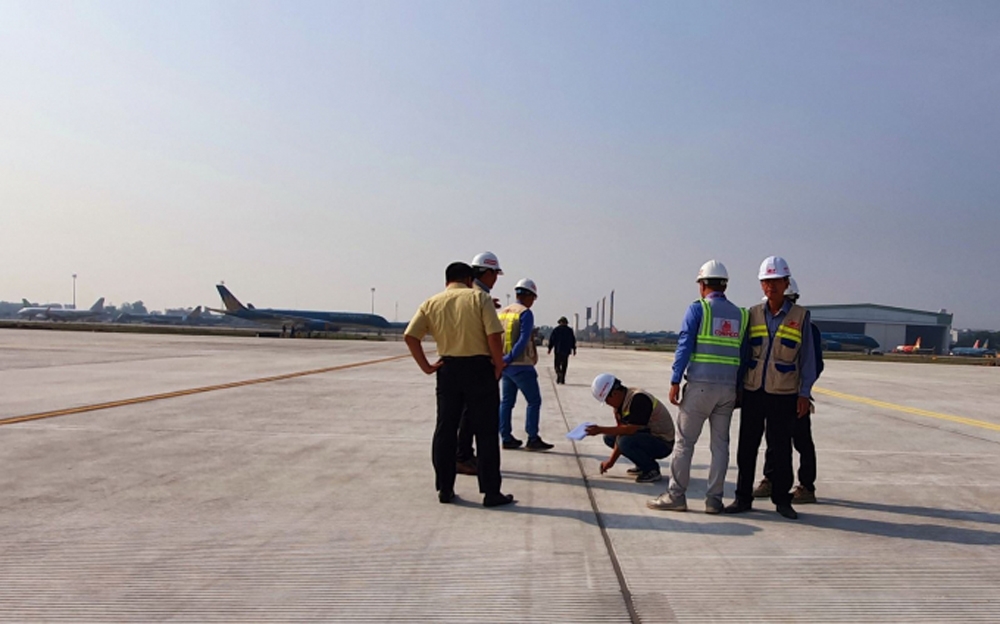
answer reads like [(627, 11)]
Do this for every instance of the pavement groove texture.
[(311, 499)]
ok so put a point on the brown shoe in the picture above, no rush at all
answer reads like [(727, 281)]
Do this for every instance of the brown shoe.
[(763, 489), (802, 496), (466, 468)]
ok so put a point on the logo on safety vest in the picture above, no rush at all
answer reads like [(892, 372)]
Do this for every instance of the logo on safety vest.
[(793, 324), (724, 327)]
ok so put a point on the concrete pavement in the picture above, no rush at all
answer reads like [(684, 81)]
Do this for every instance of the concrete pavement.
[(312, 498)]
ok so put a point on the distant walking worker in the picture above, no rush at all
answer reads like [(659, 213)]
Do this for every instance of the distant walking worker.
[(643, 431), (468, 334), (780, 371), (805, 491), (520, 356), (563, 341), (485, 271), (709, 350)]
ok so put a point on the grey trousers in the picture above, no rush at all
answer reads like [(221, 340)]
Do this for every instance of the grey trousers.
[(701, 402)]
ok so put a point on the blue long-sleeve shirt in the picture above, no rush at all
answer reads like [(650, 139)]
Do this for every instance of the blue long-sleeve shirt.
[(527, 325), (807, 355), (688, 336)]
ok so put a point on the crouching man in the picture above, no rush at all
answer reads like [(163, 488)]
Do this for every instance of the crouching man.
[(643, 431)]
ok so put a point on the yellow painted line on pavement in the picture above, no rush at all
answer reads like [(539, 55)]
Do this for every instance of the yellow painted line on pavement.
[(179, 393), (982, 424)]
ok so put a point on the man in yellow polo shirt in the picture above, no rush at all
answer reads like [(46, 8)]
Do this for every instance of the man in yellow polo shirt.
[(464, 324)]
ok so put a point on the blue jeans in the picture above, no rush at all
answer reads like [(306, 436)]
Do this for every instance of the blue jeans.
[(525, 379), (642, 449)]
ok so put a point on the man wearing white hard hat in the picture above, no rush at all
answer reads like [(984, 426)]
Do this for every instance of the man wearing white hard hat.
[(709, 351), (643, 431), (485, 271), (805, 491), (780, 369), (520, 356)]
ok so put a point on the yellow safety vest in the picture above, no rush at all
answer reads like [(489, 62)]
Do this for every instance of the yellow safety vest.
[(510, 318)]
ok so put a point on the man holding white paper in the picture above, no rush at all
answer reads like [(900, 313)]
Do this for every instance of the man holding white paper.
[(644, 429)]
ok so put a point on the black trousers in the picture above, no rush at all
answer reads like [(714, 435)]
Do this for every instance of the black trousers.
[(777, 413), (467, 385), (465, 436), (802, 440), (562, 363)]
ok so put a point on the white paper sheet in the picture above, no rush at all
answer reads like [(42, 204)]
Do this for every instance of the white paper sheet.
[(580, 432)]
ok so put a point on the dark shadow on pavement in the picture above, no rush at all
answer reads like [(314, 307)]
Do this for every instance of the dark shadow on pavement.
[(623, 484), (661, 522), (927, 512), (921, 532)]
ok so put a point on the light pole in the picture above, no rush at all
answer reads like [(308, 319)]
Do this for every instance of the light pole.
[(508, 298), (74, 291), (373, 300)]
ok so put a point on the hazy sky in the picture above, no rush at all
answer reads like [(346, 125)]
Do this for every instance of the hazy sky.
[(305, 152)]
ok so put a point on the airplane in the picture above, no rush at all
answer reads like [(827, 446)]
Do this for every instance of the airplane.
[(190, 318), (842, 341), (912, 349), (62, 314), (975, 350), (299, 319), (27, 304)]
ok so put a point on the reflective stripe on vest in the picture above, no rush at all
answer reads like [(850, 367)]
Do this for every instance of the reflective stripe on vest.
[(705, 337), (775, 364), (510, 318), (511, 321)]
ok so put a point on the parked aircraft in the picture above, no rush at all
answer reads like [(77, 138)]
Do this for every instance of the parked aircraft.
[(911, 349), (27, 304), (975, 350), (299, 319), (62, 314), (190, 318), (841, 341)]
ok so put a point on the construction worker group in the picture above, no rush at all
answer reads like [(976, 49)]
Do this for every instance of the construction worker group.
[(763, 359)]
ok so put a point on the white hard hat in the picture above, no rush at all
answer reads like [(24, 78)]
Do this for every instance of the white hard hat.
[(713, 269), (526, 284), (793, 288), (602, 386), (773, 267), (487, 260)]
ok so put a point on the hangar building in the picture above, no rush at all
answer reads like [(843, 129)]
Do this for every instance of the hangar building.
[(889, 325)]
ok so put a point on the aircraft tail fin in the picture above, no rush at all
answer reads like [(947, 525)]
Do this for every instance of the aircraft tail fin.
[(976, 346), (193, 314), (917, 345), (98, 305), (25, 303), (986, 345), (232, 303)]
